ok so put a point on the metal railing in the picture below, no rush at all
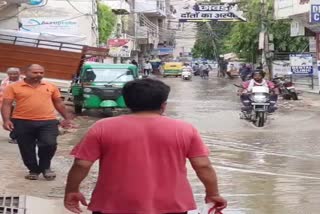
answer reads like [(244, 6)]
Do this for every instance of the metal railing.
[(40, 43)]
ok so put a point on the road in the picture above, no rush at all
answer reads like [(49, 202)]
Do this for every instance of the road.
[(261, 170), (271, 170)]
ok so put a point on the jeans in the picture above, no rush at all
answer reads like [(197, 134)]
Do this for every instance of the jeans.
[(31, 134)]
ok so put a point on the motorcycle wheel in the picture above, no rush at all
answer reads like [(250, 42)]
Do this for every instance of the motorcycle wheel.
[(294, 95), (260, 119)]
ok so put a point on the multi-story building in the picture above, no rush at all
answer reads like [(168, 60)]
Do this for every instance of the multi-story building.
[(185, 32), (152, 26)]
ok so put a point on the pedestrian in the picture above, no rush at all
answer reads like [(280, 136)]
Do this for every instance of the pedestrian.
[(14, 75), (34, 120), (134, 62), (147, 67), (142, 159)]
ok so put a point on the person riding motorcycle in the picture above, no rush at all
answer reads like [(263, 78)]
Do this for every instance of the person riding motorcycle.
[(258, 80)]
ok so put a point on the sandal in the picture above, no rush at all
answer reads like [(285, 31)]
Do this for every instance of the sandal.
[(49, 175), (32, 176)]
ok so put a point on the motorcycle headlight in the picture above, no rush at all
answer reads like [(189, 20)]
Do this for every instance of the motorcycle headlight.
[(87, 90), (260, 98)]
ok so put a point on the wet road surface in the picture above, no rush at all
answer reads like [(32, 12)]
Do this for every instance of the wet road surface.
[(271, 170)]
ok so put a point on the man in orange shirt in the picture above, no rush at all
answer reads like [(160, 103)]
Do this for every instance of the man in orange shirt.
[(34, 120)]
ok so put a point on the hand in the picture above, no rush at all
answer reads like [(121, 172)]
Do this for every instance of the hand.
[(72, 200), (67, 124), (8, 125), (219, 202)]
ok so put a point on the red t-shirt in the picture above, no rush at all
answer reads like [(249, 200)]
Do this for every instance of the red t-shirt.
[(142, 164)]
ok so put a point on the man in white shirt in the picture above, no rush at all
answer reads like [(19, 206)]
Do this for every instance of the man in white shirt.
[(147, 67)]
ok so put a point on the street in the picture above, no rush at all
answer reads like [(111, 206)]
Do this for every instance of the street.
[(261, 170)]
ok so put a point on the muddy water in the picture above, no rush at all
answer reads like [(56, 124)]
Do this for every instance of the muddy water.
[(273, 170)]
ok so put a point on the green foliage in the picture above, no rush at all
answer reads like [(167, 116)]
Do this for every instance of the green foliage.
[(106, 21), (243, 37)]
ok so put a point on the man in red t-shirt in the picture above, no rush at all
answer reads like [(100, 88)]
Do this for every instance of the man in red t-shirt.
[(142, 159)]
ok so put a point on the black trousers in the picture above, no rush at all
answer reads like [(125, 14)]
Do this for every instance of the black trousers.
[(31, 134)]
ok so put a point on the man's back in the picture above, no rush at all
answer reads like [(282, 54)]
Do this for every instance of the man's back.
[(142, 164)]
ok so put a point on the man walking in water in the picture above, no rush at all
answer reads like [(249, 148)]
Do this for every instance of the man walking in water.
[(142, 159), (34, 120)]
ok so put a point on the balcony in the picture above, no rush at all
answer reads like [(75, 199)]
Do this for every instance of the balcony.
[(151, 8), (119, 7), (145, 35)]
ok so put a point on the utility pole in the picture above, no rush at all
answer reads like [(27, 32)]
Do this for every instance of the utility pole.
[(264, 31)]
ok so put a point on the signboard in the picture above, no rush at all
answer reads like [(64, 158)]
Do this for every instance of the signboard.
[(301, 64), (197, 12), (312, 45), (281, 68), (50, 25), (315, 11), (296, 29), (120, 47)]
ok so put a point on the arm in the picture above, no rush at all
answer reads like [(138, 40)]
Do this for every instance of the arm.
[(206, 174), (6, 109), (61, 108), (77, 174)]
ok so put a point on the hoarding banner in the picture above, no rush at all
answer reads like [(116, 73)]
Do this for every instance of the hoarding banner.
[(120, 47), (50, 25), (197, 12), (301, 64)]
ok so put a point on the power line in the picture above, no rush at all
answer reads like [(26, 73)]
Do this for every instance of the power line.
[(14, 16)]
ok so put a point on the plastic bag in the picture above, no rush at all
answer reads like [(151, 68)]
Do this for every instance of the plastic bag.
[(209, 209)]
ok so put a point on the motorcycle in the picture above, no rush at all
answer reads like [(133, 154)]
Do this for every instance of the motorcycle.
[(259, 100), (286, 88), (186, 74)]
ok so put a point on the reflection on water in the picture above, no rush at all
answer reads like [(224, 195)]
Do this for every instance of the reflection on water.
[(273, 170)]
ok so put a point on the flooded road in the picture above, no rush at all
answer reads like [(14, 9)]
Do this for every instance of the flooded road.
[(271, 170)]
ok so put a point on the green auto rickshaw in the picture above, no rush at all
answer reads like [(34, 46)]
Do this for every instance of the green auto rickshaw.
[(99, 86)]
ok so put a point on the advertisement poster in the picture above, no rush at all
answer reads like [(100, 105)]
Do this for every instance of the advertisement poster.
[(301, 64), (50, 25), (195, 12), (120, 47)]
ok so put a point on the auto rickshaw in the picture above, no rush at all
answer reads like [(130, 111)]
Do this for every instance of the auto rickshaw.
[(172, 69), (99, 86)]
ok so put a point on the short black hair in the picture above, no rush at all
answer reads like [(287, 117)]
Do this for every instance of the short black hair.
[(145, 94)]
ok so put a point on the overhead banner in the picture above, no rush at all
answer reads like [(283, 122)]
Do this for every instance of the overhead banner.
[(301, 64), (202, 12), (120, 47)]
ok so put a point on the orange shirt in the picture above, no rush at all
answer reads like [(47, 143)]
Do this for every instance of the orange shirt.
[(32, 103)]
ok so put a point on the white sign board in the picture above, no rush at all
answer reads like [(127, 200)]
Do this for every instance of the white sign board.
[(50, 25), (297, 29), (281, 68), (193, 11), (301, 64)]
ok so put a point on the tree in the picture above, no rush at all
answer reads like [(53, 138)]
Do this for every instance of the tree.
[(244, 36), (106, 22)]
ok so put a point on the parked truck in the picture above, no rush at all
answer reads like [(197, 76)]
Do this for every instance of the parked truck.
[(62, 60)]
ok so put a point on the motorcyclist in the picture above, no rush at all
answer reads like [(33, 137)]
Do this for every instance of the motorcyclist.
[(204, 70), (258, 80)]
